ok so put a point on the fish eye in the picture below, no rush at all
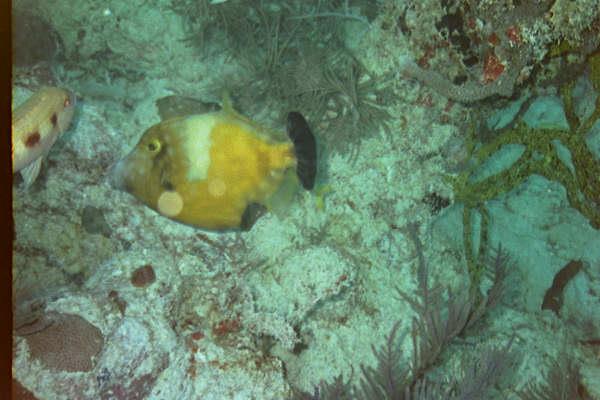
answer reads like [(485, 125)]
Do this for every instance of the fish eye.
[(153, 146)]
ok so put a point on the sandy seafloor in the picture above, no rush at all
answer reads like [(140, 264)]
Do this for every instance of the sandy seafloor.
[(303, 295)]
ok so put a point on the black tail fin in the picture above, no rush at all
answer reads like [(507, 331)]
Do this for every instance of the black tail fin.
[(305, 148)]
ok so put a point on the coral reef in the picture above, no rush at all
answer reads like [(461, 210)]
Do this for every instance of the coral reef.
[(433, 330), (444, 129), (63, 342), (494, 45), (577, 170)]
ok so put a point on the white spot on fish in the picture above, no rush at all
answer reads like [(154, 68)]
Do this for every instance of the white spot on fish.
[(170, 203), (216, 187)]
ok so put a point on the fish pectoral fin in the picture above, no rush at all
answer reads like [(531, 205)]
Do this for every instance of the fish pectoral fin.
[(280, 201), (251, 214), (31, 172)]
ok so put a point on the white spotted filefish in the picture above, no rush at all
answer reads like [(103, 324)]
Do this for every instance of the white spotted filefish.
[(215, 170)]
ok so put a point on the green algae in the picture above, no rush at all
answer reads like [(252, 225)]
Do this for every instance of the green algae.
[(545, 152)]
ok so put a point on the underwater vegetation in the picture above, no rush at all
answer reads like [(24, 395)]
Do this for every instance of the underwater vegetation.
[(484, 53), (561, 382), (441, 316), (440, 321), (293, 57), (557, 153)]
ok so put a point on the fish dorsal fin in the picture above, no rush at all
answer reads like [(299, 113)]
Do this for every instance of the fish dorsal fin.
[(180, 106), (226, 103), (231, 112)]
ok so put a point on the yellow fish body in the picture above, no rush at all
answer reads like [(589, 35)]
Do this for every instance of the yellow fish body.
[(208, 170)]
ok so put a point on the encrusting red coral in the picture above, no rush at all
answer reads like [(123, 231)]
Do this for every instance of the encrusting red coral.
[(492, 68), (143, 276)]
